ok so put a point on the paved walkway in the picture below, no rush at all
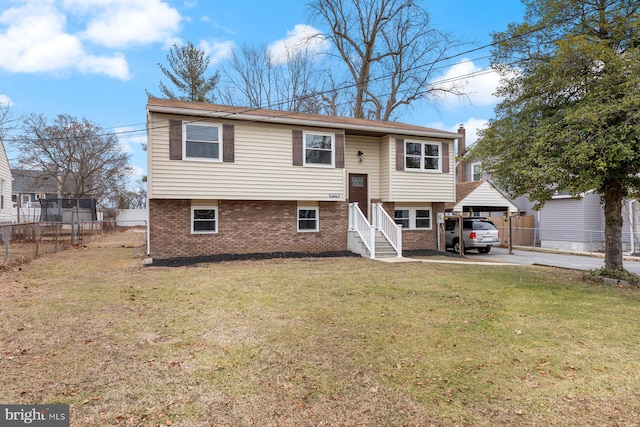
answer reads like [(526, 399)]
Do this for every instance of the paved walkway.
[(501, 256)]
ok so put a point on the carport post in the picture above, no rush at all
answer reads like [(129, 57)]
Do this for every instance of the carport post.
[(510, 235), (460, 235)]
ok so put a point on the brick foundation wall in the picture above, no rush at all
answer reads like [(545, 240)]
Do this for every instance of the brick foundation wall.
[(420, 239), (244, 227)]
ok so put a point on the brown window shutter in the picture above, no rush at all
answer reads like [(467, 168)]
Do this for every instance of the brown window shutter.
[(228, 143), (339, 150), (175, 139), (297, 147), (399, 154), (445, 157)]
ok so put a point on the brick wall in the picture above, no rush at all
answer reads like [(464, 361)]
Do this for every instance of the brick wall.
[(420, 239), (244, 227)]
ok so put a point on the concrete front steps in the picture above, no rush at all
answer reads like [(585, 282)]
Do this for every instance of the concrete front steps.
[(382, 246)]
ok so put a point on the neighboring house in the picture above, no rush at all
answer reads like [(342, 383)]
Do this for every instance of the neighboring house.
[(564, 222), (29, 186), (230, 180), (578, 223), (475, 194), (6, 185)]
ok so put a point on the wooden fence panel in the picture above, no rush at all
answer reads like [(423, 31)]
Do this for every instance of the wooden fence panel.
[(522, 230)]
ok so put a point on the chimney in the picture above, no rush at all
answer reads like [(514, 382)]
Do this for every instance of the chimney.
[(461, 168)]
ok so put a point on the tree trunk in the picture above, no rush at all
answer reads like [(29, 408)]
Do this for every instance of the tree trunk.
[(613, 225)]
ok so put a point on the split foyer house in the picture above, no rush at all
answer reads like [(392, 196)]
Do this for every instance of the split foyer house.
[(232, 180)]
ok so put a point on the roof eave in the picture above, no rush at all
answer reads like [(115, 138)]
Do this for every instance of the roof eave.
[(300, 122)]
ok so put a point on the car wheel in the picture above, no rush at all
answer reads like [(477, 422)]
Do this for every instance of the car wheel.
[(484, 250), (456, 246)]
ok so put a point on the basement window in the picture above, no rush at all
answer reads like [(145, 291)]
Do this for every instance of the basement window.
[(308, 219), (204, 219)]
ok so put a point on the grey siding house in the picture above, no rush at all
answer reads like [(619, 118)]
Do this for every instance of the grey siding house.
[(578, 223)]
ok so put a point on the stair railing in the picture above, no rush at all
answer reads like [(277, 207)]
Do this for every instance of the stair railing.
[(391, 231), (358, 222)]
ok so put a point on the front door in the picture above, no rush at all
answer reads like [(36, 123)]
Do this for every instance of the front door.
[(358, 191)]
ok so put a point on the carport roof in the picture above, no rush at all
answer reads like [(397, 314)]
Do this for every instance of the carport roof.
[(480, 196)]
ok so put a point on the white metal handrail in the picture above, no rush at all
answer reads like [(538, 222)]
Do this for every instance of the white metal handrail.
[(366, 231), (392, 231)]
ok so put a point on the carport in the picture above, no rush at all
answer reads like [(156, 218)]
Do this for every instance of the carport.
[(480, 197)]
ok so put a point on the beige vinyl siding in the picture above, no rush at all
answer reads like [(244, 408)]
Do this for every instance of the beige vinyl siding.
[(387, 162), (5, 185), (370, 164), (415, 186), (262, 169)]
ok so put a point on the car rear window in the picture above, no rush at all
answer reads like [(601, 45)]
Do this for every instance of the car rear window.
[(483, 225)]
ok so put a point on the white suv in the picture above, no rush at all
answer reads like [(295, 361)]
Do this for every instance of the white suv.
[(478, 233)]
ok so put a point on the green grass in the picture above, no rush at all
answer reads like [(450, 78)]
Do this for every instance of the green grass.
[(316, 342)]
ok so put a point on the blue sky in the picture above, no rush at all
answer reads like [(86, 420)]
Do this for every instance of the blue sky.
[(96, 58)]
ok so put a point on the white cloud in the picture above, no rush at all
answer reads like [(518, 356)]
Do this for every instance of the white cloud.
[(122, 23), (35, 40), (137, 171), (168, 44), (471, 126), (479, 84), (303, 38), (114, 66), (131, 139), (217, 50), (5, 101), (45, 36)]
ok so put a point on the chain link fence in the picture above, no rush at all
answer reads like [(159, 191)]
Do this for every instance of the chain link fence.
[(23, 242), (591, 241)]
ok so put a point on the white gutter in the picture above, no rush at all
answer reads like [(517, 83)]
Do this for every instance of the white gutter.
[(300, 122)]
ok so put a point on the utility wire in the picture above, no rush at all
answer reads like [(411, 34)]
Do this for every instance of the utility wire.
[(430, 65)]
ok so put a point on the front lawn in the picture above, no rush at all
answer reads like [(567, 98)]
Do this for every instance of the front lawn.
[(312, 342)]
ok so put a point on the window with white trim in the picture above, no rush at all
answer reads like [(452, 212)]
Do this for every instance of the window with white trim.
[(204, 219), (2, 195), (476, 172), (413, 218), (423, 156), (201, 141), (319, 149), (308, 219)]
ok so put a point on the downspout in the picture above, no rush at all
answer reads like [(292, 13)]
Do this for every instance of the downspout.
[(148, 259)]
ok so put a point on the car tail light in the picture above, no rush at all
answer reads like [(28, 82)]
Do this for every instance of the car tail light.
[(473, 235)]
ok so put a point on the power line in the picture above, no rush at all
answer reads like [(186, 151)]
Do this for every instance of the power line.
[(430, 65)]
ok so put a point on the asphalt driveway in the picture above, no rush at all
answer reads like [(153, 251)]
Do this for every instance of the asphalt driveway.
[(553, 259)]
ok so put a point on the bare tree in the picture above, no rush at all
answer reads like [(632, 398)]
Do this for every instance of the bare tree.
[(248, 78), (134, 197), (255, 78), (8, 121), (82, 159), (389, 50)]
